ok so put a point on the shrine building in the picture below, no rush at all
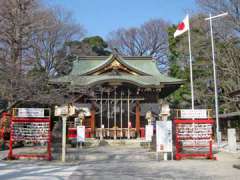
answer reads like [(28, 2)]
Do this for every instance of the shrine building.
[(115, 93)]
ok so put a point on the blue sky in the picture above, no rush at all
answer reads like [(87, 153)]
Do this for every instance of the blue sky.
[(100, 17)]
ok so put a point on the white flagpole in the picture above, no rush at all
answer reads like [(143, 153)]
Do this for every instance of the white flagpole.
[(218, 132), (190, 58)]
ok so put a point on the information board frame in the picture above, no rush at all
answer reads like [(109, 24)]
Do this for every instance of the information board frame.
[(31, 122), (180, 139)]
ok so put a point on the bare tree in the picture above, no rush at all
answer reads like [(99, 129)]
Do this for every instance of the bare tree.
[(48, 45), (227, 39), (17, 21), (31, 37), (150, 39)]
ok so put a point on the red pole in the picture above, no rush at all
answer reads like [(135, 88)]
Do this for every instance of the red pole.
[(138, 118), (49, 140), (210, 150), (92, 121), (10, 154), (3, 128)]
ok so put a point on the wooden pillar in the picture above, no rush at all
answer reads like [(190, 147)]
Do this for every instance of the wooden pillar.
[(138, 118), (92, 121)]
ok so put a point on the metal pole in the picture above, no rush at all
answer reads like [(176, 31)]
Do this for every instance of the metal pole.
[(190, 63), (128, 115), (121, 116), (108, 115), (219, 15), (218, 133), (101, 134), (215, 81), (64, 122), (115, 115)]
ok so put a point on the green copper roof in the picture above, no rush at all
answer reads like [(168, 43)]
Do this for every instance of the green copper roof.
[(85, 64), (149, 81), (145, 67)]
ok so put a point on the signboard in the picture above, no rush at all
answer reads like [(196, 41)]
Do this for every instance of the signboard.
[(80, 133), (194, 113), (164, 136), (149, 132), (64, 110), (30, 112)]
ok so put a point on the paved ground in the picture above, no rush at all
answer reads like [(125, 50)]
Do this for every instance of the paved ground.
[(32, 170), (122, 163), (134, 164)]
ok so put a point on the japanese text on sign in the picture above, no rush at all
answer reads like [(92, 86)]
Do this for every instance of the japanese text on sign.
[(198, 131), (164, 136), (29, 131)]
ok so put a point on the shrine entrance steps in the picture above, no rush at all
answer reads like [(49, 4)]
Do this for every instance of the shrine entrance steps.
[(91, 142)]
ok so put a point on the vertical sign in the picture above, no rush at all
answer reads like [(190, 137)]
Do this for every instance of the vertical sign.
[(164, 136), (149, 132), (80, 133)]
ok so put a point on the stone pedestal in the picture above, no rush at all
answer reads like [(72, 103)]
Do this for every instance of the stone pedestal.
[(232, 140)]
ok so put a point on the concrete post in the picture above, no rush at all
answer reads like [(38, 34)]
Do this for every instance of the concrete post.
[(232, 140)]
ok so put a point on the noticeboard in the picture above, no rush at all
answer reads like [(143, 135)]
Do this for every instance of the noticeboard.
[(149, 132), (80, 133), (164, 136)]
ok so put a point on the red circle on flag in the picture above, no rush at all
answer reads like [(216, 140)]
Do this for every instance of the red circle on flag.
[(181, 26)]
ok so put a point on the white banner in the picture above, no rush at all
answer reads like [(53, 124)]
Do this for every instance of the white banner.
[(148, 132), (196, 113), (164, 136), (80, 133), (30, 112)]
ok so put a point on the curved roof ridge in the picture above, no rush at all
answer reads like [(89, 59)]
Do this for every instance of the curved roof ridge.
[(105, 57), (109, 60)]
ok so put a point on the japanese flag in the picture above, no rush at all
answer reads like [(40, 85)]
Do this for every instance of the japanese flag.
[(182, 27)]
